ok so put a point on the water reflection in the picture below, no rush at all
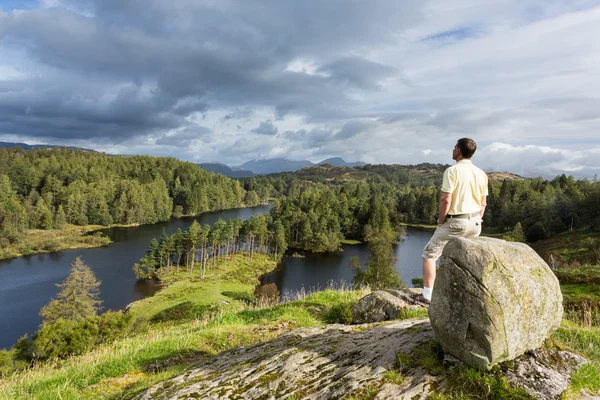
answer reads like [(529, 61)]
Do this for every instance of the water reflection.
[(28, 283)]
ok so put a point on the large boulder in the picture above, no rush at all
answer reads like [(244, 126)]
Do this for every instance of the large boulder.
[(493, 300)]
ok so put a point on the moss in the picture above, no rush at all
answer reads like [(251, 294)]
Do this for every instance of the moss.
[(264, 380), (404, 362), (392, 377), (429, 355), (368, 392)]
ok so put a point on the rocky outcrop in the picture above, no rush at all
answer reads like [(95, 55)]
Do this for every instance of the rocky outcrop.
[(385, 305), (393, 360), (493, 300)]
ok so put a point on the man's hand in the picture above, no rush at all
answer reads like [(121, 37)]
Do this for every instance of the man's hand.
[(445, 202)]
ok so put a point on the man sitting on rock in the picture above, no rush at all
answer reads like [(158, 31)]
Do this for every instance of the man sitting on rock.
[(464, 191)]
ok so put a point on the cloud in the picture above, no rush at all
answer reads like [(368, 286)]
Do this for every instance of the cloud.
[(266, 128), (183, 138), (234, 80)]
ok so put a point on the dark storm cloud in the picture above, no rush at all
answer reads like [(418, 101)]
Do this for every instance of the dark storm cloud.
[(237, 114), (124, 69), (266, 128)]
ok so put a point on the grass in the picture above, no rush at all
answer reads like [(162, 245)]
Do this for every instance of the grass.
[(228, 286), (350, 241), (585, 341), (121, 369), (36, 241), (197, 326), (569, 247), (426, 227)]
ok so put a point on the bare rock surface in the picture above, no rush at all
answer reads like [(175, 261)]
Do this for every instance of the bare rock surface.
[(385, 305), (493, 300), (544, 373), (333, 362)]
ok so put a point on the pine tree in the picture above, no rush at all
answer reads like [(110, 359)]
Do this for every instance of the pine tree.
[(380, 273), (60, 220), (78, 299)]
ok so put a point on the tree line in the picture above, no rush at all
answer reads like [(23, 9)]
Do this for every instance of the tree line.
[(208, 247), (316, 216), (48, 188)]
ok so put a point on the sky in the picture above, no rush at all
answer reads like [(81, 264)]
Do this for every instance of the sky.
[(379, 81)]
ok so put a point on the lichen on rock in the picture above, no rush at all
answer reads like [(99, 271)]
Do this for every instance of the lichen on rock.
[(493, 300)]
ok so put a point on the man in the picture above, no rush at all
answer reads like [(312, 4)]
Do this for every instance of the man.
[(463, 202)]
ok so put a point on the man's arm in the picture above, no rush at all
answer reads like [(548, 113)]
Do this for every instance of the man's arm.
[(483, 205), (445, 202)]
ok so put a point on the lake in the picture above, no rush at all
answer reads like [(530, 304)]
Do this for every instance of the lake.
[(28, 283)]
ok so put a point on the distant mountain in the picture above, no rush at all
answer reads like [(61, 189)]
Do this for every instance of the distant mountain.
[(4, 145), (223, 169), (276, 165)]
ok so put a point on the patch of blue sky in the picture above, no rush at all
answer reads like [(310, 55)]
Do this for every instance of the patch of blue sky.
[(11, 5)]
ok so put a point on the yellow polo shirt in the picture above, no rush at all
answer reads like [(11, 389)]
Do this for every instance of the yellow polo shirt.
[(468, 184)]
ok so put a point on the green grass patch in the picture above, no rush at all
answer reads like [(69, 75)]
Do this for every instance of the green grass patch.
[(568, 247), (470, 383), (425, 227), (121, 369), (581, 303), (585, 341), (230, 285), (586, 274), (392, 376), (350, 241), (37, 241)]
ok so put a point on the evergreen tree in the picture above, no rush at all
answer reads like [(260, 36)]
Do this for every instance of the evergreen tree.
[(78, 299), (381, 273), (60, 220)]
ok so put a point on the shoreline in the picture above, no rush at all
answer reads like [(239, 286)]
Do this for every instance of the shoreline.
[(39, 241)]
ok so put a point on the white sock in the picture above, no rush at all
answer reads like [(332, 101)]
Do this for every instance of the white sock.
[(427, 293)]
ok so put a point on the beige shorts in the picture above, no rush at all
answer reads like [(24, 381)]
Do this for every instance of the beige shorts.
[(453, 227)]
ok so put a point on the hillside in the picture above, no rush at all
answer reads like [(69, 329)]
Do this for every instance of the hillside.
[(235, 348), (335, 174)]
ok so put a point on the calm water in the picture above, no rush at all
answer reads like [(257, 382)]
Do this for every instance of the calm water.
[(28, 283), (316, 271)]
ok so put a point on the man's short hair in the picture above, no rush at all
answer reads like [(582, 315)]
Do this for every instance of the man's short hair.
[(467, 147)]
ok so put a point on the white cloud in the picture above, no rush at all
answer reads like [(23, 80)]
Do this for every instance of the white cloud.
[(394, 83)]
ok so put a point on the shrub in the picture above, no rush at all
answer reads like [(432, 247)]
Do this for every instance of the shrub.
[(339, 314), (417, 282), (9, 364), (267, 294), (66, 337), (51, 245)]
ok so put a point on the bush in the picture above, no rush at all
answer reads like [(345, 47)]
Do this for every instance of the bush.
[(64, 337), (339, 314), (267, 294), (51, 245), (9, 364), (417, 282)]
